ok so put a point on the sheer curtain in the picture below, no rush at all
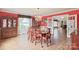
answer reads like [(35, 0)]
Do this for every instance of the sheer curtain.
[(23, 25)]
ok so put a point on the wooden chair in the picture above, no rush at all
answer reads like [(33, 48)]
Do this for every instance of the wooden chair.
[(38, 36), (46, 38), (33, 35)]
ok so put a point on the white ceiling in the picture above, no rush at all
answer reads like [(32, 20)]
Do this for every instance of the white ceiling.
[(35, 11)]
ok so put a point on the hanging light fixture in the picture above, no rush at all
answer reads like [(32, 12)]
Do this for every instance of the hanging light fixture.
[(37, 8), (38, 18)]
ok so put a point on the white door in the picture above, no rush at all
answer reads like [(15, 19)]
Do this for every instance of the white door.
[(71, 24)]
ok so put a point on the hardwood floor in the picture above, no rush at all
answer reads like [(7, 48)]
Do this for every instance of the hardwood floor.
[(21, 42)]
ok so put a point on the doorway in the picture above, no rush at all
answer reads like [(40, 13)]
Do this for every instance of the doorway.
[(23, 25), (71, 24), (59, 28)]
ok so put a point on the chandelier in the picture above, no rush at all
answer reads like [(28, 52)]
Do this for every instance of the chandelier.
[(38, 18)]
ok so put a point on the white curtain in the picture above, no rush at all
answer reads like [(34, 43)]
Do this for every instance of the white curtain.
[(23, 25)]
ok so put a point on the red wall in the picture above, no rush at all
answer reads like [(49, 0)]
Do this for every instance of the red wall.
[(78, 21), (8, 14), (33, 18), (64, 13)]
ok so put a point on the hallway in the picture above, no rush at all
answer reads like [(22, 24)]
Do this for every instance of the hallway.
[(59, 42)]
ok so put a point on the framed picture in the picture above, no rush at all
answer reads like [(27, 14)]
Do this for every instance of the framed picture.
[(4, 23)]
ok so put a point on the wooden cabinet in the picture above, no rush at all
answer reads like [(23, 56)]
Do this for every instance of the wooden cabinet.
[(8, 27), (0, 29), (0, 33), (75, 41), (9, 32)]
